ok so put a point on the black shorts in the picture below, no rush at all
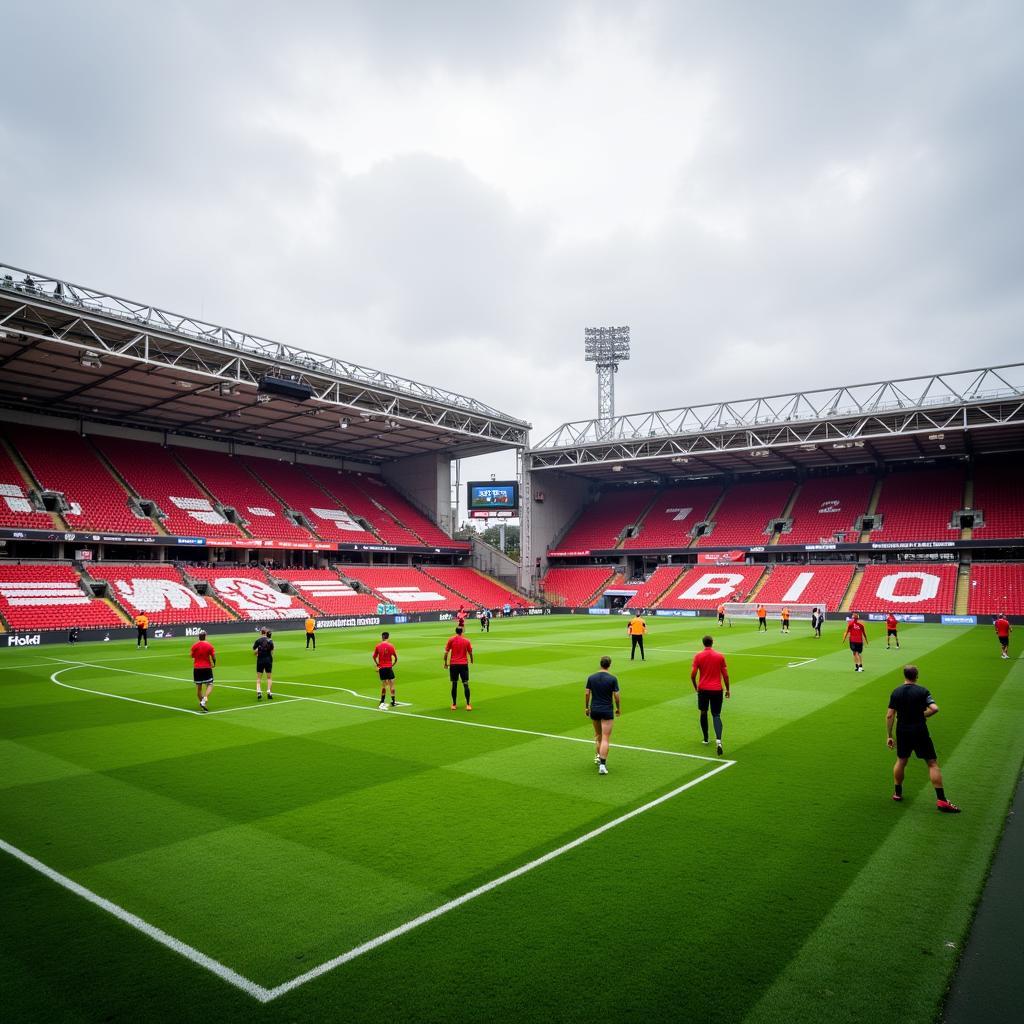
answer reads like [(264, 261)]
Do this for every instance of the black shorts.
[(458, 672), (386, 674), (143, 631), (891, 632), (856, 648), (202, 675), (721, 616), (264, 664), (1004, 641), (915, 740), (710, 699), (602, 716), (761, 619)]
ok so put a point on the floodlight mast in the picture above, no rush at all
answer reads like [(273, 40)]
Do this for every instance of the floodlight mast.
[(607, 347)]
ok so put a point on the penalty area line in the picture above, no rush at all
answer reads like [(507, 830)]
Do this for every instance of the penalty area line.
[(157, 934), (431, 915)]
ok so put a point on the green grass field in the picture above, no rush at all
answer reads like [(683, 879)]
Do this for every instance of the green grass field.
[(293, 855)]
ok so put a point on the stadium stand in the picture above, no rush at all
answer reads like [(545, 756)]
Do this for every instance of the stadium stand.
[(327, 592), (827, 506), (918, 505), (706, 587), (406, 513), (249, 593), (999, 494), (62, 461), (406, 587), (158, 591), (475, 587), (228, 481), (575, 587), (906, 587), (155, 475), (656, 584), (997, 587), (299, 493), (745, 511), (50, 597), (16, 510), (600, 524), (672, 516), (344, 487), (807, 584)]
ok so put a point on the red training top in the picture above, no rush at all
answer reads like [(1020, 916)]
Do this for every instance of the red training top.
[(384, 654), (1002, 626), (459, 649), (202, 652), (710, 664), (856, 631), (891, 623)]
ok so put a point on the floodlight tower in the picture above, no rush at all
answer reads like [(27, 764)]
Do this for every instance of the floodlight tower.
[(606, 346)]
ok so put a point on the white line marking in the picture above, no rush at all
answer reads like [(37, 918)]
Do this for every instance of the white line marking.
[(401, 714), (116, 696), (604, 647), (265, 995), (487, 887), (158, 935)]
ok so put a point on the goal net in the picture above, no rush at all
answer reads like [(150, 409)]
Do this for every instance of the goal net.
[(748, 610)]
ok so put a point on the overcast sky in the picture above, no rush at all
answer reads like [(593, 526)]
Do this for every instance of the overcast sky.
[(772, 195)]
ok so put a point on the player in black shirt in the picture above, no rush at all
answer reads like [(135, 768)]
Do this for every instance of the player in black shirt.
[(602, 693), (909, 707), (264, 651)]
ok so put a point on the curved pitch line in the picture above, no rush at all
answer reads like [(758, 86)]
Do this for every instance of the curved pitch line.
[(115, 696)]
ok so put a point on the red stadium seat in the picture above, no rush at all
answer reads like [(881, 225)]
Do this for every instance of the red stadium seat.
[(575, 586), (157, 476), (997, 587), (826, 506), (675, 512), (476, 588), (406, 587), (649, 593), (706, 587), (158, 591), (917, 505), (999, 494), (249, 593), (62, 461), (50, 597), (326, 591), (601, 523), (745, 511), (807, 584), (906, 587)]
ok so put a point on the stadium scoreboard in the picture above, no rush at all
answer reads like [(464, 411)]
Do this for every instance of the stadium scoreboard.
[(492, 499)]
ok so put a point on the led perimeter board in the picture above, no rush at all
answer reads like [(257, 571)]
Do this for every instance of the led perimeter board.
[(498, 499)]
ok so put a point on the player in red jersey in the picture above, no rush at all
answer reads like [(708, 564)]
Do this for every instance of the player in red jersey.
[(458, 656), (892, 627), (204, 658), (1003, 630), (385, 657), (708, 673), (858, 638), (460, 618)]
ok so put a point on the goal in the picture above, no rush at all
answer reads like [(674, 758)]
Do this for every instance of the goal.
[(748, 609)]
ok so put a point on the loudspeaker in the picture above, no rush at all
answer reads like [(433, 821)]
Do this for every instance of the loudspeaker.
[(294, 390)]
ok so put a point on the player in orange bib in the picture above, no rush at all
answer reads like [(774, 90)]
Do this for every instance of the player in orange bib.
[(784, 619), (142, 625), (762, 618)]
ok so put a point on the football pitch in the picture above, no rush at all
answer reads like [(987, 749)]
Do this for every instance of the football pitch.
[(316, 858)]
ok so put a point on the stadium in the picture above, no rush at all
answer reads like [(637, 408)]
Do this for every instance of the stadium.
[(279, 860)]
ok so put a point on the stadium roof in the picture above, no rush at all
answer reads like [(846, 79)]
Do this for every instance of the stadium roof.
[(67, 350), (938, 416)]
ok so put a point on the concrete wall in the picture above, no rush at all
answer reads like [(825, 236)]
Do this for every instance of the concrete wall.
[(427, 481), (564, 496)]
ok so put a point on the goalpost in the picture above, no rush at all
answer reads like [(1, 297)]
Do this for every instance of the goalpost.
[(748, 609)]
